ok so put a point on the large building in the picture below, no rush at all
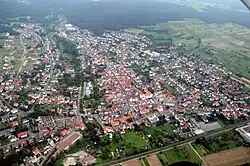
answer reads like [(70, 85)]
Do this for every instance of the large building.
[(245, 132), (70, 140)]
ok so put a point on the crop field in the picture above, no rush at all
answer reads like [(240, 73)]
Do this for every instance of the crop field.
[(132, 163), (11, 52), (153, 160), (182, 153), (236, 156)]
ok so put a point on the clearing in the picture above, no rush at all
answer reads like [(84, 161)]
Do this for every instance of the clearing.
[(236, 156)]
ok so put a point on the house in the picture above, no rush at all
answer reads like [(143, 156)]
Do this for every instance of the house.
[(64, 132), (35, 151), (79, 124), (22, 135)]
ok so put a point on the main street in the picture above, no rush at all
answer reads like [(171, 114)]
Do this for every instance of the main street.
[(170, 146)]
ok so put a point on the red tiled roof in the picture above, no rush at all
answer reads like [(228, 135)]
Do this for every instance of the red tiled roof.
[(64, 132), (36, 151), (69, 141), (80, 125), (45, 132), (15, 123), (22, 134)]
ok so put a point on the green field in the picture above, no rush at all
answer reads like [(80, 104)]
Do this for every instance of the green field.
[(182, 153), (162, 130), (199, 149), (134, 141), (146, 163), (4, 126), (162, 159)]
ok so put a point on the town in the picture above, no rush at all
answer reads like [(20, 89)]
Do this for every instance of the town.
[(72, 91)]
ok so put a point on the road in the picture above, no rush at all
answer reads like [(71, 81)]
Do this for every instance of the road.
[(170, 146)]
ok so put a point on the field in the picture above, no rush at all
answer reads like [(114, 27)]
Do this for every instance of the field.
[(145, 161), (132, 163), (163, 130), (182, 153), (134, 141), (153, 160), (236, 156), (11, 52), (226, 43), (199, 149)]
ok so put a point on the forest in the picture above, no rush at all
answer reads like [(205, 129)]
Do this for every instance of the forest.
[(113, 15)]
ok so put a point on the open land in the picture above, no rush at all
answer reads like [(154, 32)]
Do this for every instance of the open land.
[(236, 156), (132, 163), (153, 160)]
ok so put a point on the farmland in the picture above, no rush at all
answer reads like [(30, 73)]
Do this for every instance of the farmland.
[(182, 153), (153, 160), (132, 163), (236, 156)]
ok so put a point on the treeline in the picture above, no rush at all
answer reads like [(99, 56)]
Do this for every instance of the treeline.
[(108, 15), (5, 29)]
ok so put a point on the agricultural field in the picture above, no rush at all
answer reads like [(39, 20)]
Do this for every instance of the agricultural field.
[(182, 153), (153, 160), (236, 156), (228, 44), (132, 163), (11, 52), (14, 52)]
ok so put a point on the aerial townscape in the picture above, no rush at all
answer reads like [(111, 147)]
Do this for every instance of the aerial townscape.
[(152, 95)]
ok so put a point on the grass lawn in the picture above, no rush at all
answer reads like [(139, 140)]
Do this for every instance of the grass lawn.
[(113, 146), (168, 87), (132, 139), (4, 126), (145, 161), (182, 153), (246, 89), (162, 130)]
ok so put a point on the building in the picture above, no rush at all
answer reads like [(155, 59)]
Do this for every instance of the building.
[(22, 135), (70, 140), (153, 119), (245, 132)]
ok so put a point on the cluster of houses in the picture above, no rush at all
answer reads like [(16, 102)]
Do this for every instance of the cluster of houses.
[(146, 85)]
